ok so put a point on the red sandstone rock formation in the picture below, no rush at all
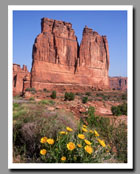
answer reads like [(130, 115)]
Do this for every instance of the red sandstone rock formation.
[(118, 83), (21, 79), (58, 60)]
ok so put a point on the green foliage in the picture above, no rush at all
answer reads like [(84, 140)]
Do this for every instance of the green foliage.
[(69, 96), (91, 116), (85, 99), (18, 110), (119, 110), (47, 102), (124, 97), (30, 89), (31, 99), (53, 95)]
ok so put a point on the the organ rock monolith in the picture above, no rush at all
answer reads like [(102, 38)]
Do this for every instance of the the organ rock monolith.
[(59, 61)]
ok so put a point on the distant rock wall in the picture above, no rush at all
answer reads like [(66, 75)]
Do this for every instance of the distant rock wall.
[(21, 79), (59, 60), (118, 83)]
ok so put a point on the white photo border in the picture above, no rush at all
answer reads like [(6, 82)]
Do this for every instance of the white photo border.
[(129, 164)]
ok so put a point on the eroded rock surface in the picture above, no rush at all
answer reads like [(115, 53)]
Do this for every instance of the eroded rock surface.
[(58, 60), (21, 79), (118, 83)]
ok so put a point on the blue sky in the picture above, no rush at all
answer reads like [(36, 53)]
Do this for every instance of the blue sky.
[(113, 24)]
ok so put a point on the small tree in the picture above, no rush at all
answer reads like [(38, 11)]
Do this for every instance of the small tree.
[(69, 96), (53, 95), (85, 99)]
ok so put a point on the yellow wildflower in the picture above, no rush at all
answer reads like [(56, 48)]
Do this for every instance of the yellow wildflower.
[(107, 151), (50, 141), (71, 146), (87, 142), (84, 126), (63, 133), (101, 142), (79, 145), (96, 133), (43, 151), (43, 140), (91, 131), (81, 136), (88, 149), (69, 129), (84, 129), (63, 158)]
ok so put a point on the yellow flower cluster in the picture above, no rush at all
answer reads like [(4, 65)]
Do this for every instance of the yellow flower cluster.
[(63, 133), (43, 151), (71, 146), (81, 136), (84, 129), (88, 149), (43, 140), (101, 142), (69, 129), (87, 142), (63, 158), (96, 133), (50, 141), (79, 145), (84, 126)]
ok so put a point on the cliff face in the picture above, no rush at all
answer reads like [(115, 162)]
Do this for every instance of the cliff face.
[(58, 60), (21, 79), (118, 83)]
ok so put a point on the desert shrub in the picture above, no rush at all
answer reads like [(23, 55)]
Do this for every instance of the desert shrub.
[(31, 99), (30, 127), (85, 99), (69, 96), (91, 116), (99, 95), (88, 93), (119, 110), (18, 110), (30, 89), (53, 95), (119, 138), (124, 97), (116, 136), (16, 105), (46, 102)]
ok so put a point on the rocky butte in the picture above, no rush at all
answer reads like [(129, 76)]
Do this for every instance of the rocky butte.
[(118, 83), (58, 60)]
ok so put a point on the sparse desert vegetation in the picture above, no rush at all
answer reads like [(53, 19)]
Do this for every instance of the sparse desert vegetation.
[(48, 130)]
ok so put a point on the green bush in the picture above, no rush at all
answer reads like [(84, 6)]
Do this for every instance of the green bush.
[(69, 96), (53, 95), (119, 110), (85, 99), (124, 97), (30, 89), (91, 116)]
